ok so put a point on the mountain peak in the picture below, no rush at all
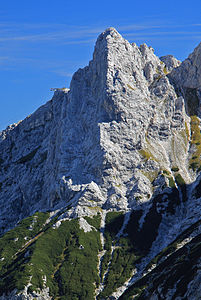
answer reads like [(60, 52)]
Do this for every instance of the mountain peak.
[(116, 159), (108, 39), (111, 31)]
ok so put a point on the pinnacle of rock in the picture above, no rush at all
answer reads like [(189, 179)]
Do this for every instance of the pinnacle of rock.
[(170, 62), (109, 31)]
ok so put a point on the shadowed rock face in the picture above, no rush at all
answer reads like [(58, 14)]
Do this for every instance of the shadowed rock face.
[(187, 79), (123, 138), (188, 74)]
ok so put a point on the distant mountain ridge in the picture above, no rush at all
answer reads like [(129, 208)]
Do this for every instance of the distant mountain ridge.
[(100, 187)]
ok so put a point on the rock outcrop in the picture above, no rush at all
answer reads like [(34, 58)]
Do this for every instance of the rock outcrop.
[(124, 138)]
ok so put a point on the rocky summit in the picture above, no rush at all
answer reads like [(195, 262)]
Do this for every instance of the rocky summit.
[(100, 188)]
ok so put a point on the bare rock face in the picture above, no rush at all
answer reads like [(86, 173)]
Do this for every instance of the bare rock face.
[(187, 78), (170, 62), (122, 138)]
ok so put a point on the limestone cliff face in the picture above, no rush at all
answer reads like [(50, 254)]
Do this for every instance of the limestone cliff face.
[(187, 79), (124, 137)]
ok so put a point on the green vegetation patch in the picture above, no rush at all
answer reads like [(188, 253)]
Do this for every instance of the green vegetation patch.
[(151, 175), (12, 241), (13, 269), (179, 179), (113, 223), (177, 176), (120, 269), (195, 161), (166, 172), (173, 246), (175, 169), (165, 70), (95, 221), (187, 131), (135, 291), (123, 258), (171, 182), (146, 154), (64, 259), (176, 270), (68, 257), (142, 239)]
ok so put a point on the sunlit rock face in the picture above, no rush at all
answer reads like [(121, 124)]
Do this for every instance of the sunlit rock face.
[(124, 137)]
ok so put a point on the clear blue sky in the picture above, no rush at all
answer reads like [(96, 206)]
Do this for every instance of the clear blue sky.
[(43, 42)]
